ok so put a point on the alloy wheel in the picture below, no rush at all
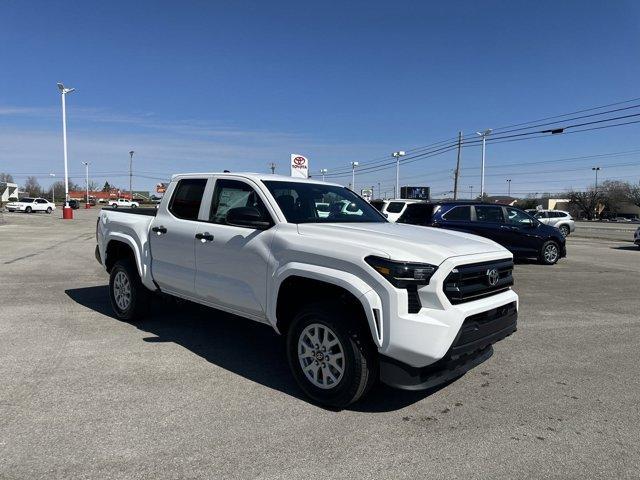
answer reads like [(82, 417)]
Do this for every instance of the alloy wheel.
[(321, 356)]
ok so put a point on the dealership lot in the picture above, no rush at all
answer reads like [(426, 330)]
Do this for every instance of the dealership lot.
[(194, 393)]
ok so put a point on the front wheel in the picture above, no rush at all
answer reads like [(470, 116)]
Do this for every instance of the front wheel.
[(115, 205), (331, 355), (129, 297), (28, 210), (49, 210), (549, 253), (564, 230)]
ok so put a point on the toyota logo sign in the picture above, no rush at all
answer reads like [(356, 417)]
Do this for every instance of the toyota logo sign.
[(299, 166), (299, 160), (493, 276)]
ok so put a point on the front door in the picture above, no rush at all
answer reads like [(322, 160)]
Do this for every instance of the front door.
[(489, 223), (521, 232), (231, 261), (172, 238)]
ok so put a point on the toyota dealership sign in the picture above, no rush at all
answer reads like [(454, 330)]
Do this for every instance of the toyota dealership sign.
[(299, 166)]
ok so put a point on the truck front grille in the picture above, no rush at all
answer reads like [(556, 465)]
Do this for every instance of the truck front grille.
[(471, 282)]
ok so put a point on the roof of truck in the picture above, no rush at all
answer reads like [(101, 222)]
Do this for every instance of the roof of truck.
[(253, 176)]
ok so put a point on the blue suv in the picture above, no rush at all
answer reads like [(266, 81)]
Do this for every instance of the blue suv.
[(511, 227)]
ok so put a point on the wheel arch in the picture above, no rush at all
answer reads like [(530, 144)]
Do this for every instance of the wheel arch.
[(300, 285)]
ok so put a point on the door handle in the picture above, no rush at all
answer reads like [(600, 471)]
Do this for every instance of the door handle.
[(159, 230), (204, 237)]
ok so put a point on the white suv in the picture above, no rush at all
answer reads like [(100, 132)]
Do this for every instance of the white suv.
[(560, 219), (393, 209)]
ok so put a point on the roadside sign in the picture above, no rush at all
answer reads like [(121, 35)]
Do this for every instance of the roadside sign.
[(367, 194), (161, 187), (299, 166)]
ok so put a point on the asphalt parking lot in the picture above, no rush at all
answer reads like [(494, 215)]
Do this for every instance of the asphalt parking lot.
[(194, 393)]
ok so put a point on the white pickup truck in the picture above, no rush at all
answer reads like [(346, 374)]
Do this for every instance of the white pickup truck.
[(358, 298), (123, 202)]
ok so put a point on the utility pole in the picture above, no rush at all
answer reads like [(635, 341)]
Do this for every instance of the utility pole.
[(272, 166), (471, 192), (131, 175), (596, 169), (397, 156), (53, 189), (509, 184), (455, 182)]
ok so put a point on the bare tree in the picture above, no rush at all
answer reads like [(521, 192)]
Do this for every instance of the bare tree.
[(614, 195), (6, 177), (634, 195), (587, 202), (32, 187)]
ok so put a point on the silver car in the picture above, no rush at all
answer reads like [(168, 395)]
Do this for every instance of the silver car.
[(560, 219)]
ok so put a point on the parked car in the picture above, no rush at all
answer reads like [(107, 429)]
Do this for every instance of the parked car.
[(74, 204), (511, 227), (560, 219), (123, 202), (29, 204), (393, 209), (358, 298), (636, 237)]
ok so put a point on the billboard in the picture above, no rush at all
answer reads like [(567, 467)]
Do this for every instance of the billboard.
[(415, 193), (299, 166)]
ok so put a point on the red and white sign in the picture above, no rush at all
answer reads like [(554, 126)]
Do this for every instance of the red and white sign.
[(299, 166)]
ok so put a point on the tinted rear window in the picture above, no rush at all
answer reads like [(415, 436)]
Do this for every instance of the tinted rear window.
[(395, 207), (458, 214), (377, 204), (417, 214), (187, 198), (485, 213)]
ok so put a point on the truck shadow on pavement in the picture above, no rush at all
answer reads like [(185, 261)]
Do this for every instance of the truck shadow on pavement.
[(246, 348)]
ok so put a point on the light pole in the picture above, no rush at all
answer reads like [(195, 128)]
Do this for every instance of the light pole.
[(471, 192), (53, 189), (397, 156), (353, 175), (596, 169), (131, 175), (67, 212), (509, 187), (86, 170), (323, 172), (484, 135), (379, 194)]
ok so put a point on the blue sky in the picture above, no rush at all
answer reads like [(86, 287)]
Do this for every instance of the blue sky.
[(204, 86)]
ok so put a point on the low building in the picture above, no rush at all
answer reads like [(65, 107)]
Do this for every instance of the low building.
[(8, 192)]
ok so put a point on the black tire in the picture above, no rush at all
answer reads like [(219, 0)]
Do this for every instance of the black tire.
[(564, 230), (49, 210), (28, 210), (360, 365), (138, 306), (133, 206), (545, 257), (115, 205)]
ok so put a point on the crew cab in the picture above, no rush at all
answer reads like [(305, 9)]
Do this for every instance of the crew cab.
[(358, 298), (29, 204), (123, 202)]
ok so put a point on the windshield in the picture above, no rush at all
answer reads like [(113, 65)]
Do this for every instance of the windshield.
[(307, 203)]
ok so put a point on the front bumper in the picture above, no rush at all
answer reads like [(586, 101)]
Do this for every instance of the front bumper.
[(472, 346)]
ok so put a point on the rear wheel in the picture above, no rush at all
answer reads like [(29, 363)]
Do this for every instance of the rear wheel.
[(564, 230), (549, 253), (331, 355), (129, 297), (28, 210), (114, 205)]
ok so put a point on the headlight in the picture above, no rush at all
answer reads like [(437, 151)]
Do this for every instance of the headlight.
[(402, 274)]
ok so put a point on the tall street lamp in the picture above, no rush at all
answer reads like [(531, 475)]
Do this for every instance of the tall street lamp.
[(471, 192), (86, 168), (353, 175), (131, 174), (323, 172), (509, 184), (596, 169), (484, 135), (67, 212), (397, 156), (53, 189)]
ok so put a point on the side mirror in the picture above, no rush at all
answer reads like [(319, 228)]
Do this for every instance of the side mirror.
[(247, 217)]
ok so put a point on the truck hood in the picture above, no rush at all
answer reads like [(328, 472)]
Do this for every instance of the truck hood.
[(403, 242)]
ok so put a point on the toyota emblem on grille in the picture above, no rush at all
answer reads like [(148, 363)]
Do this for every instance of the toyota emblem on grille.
[(493, 276)]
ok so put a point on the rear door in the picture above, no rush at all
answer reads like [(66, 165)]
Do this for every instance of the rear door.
[(172, 238), (488, 222), (458, 218), (231, 261)]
